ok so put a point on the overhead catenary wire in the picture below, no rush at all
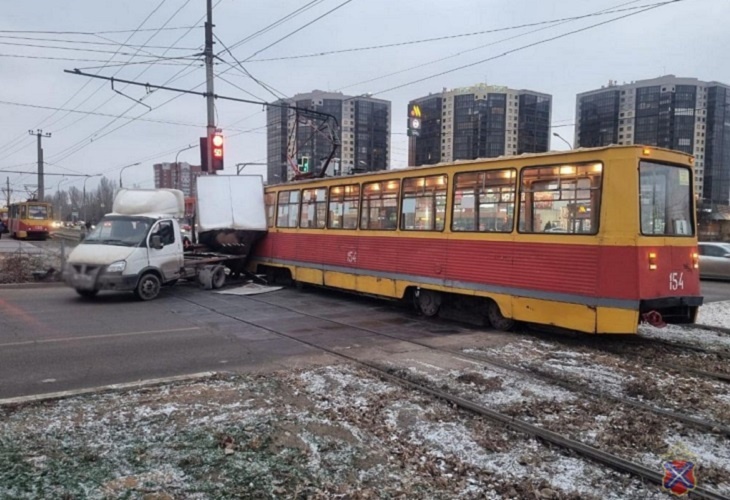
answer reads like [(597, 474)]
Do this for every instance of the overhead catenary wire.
[(289, 16), (318, 18), (268, 88), (451, 37), (527, 46), (133, 32), (473, 49)]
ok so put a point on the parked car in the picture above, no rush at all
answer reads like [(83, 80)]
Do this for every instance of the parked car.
[(714, 260)]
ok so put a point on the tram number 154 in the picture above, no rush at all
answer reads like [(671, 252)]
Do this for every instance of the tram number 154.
[(676, 281)]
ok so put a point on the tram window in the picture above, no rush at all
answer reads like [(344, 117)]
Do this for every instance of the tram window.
[(344, 207), (423, 207), (314, 208), (270, 200), (288, 212), (666, 200), (380, 205), (38, 212), (23, 211), (484, 201), (561, 199)]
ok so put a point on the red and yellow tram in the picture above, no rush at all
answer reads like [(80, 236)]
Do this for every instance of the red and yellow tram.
[(592, 240), (30, 220)]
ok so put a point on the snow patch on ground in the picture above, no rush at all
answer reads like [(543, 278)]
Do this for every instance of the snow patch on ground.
[(687, 335), (715, 314)]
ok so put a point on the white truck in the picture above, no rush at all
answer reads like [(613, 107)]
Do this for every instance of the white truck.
[(139, 247)]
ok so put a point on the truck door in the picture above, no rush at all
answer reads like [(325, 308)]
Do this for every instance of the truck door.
[(169, 258)]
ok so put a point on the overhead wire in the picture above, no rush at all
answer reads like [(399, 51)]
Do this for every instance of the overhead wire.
[(337, 7), (276, 23), (268, 88), (479, 47), (448, 37), (527, 46), (39, 124)]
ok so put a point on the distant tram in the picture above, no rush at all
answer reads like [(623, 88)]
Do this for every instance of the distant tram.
[(591, 240), (30, 220)]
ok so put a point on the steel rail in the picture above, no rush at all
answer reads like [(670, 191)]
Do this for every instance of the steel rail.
[(585, 450)]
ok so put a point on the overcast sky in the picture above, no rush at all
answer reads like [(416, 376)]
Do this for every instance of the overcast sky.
[(685, 38)]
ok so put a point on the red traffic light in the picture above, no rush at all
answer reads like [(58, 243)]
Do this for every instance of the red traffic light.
[(217, 141)]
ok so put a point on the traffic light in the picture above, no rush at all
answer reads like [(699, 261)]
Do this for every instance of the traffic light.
[(304, 164), (215, 143)]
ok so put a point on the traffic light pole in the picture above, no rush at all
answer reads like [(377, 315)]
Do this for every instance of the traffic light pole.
[(41, 188), (210, 93)]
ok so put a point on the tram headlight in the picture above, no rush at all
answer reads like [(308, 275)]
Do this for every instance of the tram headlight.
[(116, 267), (652, 261), (695, 260)]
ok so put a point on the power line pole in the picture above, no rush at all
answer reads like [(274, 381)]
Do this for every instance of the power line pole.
[(7, 192), (210, 96), (39, 133)]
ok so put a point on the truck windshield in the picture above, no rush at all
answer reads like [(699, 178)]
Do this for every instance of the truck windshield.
[(122, 231), (666, 200)]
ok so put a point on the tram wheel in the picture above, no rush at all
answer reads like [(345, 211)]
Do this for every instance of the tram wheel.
[(495, 317), (428, 302)]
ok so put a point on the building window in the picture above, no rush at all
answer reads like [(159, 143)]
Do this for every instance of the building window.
[(484, 201), (423, 207), (314, 208), (344, 205), (563, 199), (380, 205), (288, 211)]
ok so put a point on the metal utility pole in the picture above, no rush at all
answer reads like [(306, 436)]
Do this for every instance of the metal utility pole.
[(39, 133), (7, 192), (210, 95)]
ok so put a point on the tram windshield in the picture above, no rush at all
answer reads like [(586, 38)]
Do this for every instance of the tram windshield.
[(120, 231), (666, 200), (38, 212)]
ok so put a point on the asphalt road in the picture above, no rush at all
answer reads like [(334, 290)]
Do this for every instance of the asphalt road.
[(52, 340), (715, 291)]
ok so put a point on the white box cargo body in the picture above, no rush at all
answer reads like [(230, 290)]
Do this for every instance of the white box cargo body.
[(231, 202)]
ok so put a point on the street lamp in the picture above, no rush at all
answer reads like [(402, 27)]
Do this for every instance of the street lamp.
[(184, 149), (241, 166), (84, 199), (122, 170), (566, 142)]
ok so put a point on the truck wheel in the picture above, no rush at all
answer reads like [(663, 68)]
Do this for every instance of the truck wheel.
[(218, 278), (87, 293), (148, 287)]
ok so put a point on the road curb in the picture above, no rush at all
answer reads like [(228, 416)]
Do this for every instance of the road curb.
[(50, 396)]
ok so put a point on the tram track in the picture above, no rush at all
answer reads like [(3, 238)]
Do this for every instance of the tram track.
[(390, 374)]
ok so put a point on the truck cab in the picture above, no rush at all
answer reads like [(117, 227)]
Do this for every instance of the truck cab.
[(136, 253), (138, 247)]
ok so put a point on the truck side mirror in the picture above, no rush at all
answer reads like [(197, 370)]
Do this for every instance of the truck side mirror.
[(156, 242)]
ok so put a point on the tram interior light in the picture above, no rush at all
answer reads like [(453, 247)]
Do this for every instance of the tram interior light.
[(567, 170)]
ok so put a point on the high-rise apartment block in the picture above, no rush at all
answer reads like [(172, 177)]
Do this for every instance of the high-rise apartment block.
[(481, 121), (683, 114), (177, 176), (293, 134)]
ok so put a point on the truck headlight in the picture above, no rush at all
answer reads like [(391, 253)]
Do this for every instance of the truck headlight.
[(116, 267)]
